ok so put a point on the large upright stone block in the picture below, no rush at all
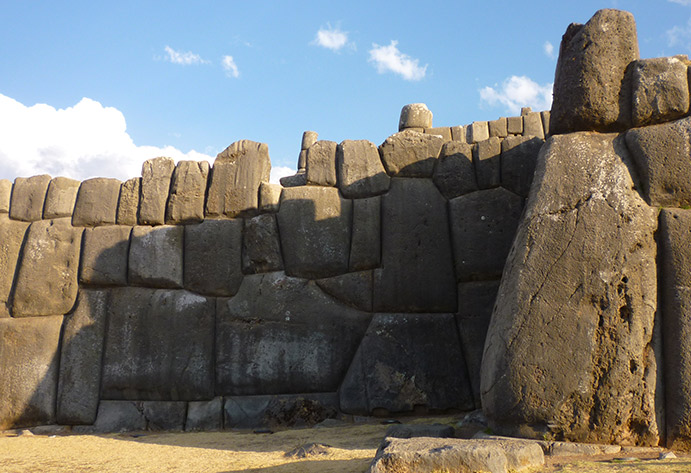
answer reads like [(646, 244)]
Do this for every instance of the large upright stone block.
[(97, 202), (235, 178), (660, 90), (187, 192), (159, 346), (410, 154), (569, 348), (365, 244), (416, 273), (29, 360), (12, 233), (47, 276), (592, 90), (360, 170), (128, 204), (283, 335), (261, 246), (314, 225), (454, 174), (155, 185), (518, 158), (213, 257), (28, 198), (155, 257), (60, 198), (321, 164), (487, 161), (104, 258), (5, 195)]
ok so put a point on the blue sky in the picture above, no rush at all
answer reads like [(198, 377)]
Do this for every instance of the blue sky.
[(94, 88)]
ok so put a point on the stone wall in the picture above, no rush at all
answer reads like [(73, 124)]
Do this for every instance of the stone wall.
[(204, 297)]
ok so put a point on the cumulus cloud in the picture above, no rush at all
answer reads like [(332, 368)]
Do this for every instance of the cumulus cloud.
[(83, 141), (331, 38), (680, 35), (516, 92), (390, 59), (278, 172), (549, 49), (230, 67), (184, 58)]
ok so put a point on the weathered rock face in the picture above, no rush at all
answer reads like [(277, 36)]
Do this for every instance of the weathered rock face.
[(415, 115), (155, 185), (360, 170), (580, 281), (321, 164), (487, 161), (104, 256), (128, 205), (97, 202), (261, 247), (12, 235), (156, 257), (454, 174), (660, 90), (5, 195), (28, 197), (591, 88), (365, 244), (410, 154), (187, 192), (518, 157), (60, 198)]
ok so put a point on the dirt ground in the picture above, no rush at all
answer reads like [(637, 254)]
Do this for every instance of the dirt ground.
[(351, 448)]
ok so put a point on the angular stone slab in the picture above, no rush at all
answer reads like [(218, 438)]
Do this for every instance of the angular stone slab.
[(204, 415), (213, 257), (5, 195), (321, 164), (532, 125), (159, 346), (514, 125), (128, 205), (459, 133), (187, 192), (294, 410), (235, 179), (406, 361), (314, 225), (269, 197), (661, 154), (155, 185), (498, 128), (283, 335), (60, 197), (47, 276), (308, 139), (12, 233), (518, 158), (105, 253), (360, 170), (487, 161), (581, 280), (416, 273), (351, 289), (97, 202), (592, 90), (483, 225), (410, 154), (29, 360), (155, 257), (478, 131), (660, 90), (261, 246), (443, 131), (80, 359), (28, 197), (454, 174), (125, 416), (365, 244), (415, 115), (296, 180)]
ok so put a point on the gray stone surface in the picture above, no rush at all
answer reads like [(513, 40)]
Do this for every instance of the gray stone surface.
[(154, 188), (407, 361), (592, 90), (296, 180), (28, 197), (204, 415), (514, 125), (410, 154), (29, 370), (314, 225), (416, 273), (155, 257), (498, 128), (459, 133), (261, 246), (237, 173), (159, 346), (302, 162), (125, 416), (213, 257), (187, 192), (454, 174), (80, 359), (406, 431), (661, 154), (46, 281), (429, 455), (269, 197), (97, 202), (12, 233), (443, 131), (321, 164), (60, 197), (297, 410), (283, 335), (128, 205), (518, 158), (104, 256), (545, 115), (5, 195), (415, 115), (352, 289), (660, 90), (360, 170), (581, 280), (478, 131), (532, 125), (487, 163), (308, 139), (365, 244)]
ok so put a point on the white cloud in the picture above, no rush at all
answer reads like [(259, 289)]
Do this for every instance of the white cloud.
[(83, 141), (390, 59), (278, 172), (680, 35), (184, 58), (681, 2), (331, 38), (230, 67), (519, 91), (549, 49)]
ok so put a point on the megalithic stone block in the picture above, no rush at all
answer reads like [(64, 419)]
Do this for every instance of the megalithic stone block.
[(487, 163), (454, 174), (365, 244), (105, 253), (155, 185), (60, 199), (12, 233), (415, 115), (28, 198), (156, 258), (97, 202), (321, 164), (128, 205), (660, 90), (518, 158), (261, 246), (410, 154), (187, 192), (5, 195), (235, 179), (360, 170)]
